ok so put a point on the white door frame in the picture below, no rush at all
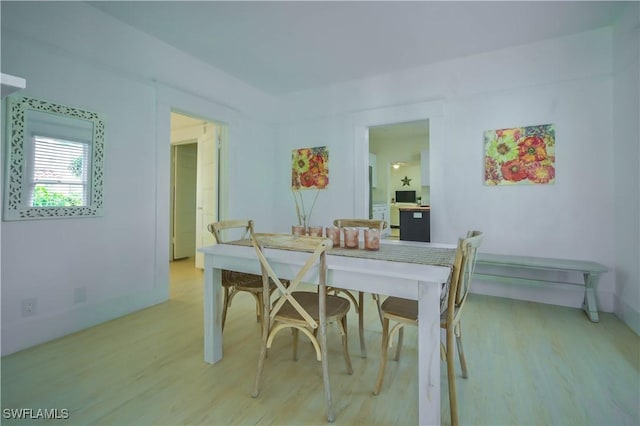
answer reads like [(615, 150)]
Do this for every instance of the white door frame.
[(168, 100), (432, 110), (207, 204)]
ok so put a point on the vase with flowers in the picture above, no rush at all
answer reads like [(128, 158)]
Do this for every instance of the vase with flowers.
[(309, 170)]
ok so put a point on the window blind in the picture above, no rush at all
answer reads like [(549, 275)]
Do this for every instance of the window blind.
[(60, 172)]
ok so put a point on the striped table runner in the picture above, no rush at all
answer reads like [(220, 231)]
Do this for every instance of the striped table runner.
[(424, 255)]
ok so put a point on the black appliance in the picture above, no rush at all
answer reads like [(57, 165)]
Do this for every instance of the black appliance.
[(405, 196), (415, 225)]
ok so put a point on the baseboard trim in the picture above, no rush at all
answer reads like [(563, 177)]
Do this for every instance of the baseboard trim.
[(627, 314)]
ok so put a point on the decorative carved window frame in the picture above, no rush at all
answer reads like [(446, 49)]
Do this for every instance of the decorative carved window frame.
[(15, 161)]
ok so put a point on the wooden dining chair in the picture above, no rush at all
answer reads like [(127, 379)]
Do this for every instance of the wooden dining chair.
[(301, 311), (405, 312), (234, 282), (359, 303)]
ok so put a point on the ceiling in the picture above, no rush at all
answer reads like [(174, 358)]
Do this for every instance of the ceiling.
[(283, 47)]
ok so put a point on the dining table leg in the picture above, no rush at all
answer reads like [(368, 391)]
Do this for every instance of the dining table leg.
[(212, 312), (429, 353)]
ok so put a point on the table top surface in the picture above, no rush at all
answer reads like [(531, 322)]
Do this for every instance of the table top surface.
[(396, 259)]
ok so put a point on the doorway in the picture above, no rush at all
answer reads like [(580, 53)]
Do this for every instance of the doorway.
[(433, 111), (400, 152), (195, 185)]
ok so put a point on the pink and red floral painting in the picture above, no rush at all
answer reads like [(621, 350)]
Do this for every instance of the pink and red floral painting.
[(310, 168), (521, 155)]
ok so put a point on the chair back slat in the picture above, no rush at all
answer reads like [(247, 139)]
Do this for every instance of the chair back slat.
[(473, 241), (361, 223), (463, 267), (316, 245), (216, 228)]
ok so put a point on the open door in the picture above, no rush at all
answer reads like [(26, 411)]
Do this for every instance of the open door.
[(207, 187), (184, 206)]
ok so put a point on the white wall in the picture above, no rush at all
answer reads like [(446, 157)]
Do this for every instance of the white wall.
[(410, 171), (73, 54), (565, 81), (626, 148)]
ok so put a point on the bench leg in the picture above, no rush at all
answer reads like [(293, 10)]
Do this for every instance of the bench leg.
[(589, 303)]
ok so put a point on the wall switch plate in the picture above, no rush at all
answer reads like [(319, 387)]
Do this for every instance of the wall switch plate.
[(79, 294), (29, 307)]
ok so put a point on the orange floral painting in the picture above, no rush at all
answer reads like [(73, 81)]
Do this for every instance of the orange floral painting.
[(310, 168), (521, 155)]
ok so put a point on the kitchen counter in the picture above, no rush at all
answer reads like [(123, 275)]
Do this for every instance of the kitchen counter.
[(414, 208), (395, 212)]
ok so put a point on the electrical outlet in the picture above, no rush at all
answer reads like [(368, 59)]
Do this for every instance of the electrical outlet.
[(29, 307)]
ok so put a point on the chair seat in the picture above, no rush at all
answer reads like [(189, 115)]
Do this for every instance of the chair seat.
[(406, 309), (336, 306), (243, 281), (399, 307)]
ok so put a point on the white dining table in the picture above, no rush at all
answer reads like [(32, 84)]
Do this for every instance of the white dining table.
[(397, 277)]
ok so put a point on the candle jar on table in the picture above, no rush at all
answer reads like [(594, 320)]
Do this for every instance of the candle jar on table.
[(372, 239), (298, 230), (333, 233), (315, 231), (350, 237)]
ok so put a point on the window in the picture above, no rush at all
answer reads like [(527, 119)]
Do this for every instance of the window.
[(60, 176), (54, 161)]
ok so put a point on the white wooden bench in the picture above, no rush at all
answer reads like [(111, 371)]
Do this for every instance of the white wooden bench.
[(590, 271)]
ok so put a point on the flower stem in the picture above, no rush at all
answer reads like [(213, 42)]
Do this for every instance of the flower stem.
[(303, 222), (301, 212), (313, 204), (297, 207)]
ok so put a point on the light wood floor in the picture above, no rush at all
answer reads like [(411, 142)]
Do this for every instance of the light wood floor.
[(528, 364)]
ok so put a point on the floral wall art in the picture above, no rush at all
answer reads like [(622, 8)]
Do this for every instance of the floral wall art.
[(520, 155), (309, 170)]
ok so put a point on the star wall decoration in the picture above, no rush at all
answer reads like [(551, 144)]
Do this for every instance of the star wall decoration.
[(406, 181)]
